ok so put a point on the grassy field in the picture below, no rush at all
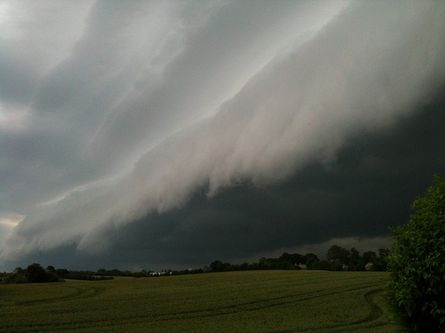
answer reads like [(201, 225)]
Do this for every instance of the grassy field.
[(257, 301)]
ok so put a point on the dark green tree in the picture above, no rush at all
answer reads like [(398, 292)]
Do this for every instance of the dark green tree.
[(417, 262), (338, 253), (337, 256), (355, 261), (293, 259), (369, 256), (310, 259), (217, 266), (19, 270), (381, 263), (35, 273)]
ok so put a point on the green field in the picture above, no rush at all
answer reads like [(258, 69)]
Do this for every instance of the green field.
[(255, 301)]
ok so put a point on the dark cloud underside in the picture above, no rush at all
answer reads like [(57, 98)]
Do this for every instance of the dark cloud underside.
[(176, 132), (367, 189)]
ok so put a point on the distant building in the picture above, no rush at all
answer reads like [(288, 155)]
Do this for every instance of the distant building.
[(369, 266)]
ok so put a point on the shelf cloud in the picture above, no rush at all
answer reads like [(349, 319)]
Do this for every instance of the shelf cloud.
[(160, 132)]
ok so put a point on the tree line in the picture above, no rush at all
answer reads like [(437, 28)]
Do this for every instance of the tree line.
[(35, 273), (337, 259)]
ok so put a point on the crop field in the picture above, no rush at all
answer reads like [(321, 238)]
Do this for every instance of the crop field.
[(254, 301)]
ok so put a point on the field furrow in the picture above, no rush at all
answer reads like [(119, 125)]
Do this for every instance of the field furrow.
[(261, 301)]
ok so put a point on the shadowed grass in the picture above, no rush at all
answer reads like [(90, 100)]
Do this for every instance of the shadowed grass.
[(260, 301)]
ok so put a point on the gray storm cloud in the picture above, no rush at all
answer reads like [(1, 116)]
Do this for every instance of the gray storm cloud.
[(131, 107)]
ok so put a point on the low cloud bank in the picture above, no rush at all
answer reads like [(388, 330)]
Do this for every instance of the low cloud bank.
[(155, 104)]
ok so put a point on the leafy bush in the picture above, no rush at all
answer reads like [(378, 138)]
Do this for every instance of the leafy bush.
[(417, 262), (32, 274), (35, 273), (15, 278)]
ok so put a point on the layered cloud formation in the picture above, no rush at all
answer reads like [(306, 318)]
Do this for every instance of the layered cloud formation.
[(120, 116)]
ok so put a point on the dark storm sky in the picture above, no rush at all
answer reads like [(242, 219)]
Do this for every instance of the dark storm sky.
[(149, 134)]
